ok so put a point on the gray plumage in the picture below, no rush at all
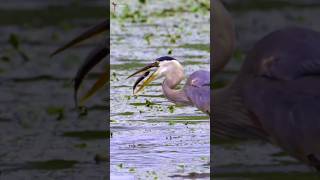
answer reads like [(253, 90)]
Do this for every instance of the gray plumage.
[(197, 89), (284, 93), (278, 93)]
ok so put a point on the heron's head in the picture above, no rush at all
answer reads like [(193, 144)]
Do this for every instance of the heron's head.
[(164, 66)]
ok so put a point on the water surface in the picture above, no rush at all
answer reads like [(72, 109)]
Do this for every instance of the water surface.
[(153, 138)]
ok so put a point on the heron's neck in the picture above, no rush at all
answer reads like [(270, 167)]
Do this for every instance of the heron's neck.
[(231, 117), (223, 36), (176, 96)]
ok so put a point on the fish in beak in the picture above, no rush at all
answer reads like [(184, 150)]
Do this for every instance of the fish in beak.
[(144, 76)]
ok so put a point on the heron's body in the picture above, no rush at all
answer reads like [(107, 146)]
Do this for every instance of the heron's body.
[(196, 91), (276, 95)]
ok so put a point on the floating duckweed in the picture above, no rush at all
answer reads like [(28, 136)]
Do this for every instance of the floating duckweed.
[(171, 108), (56, 111), (120, 165), (172, 38), (148, 37), (52, 164), (99, 158), (171, 122), (80, 146), (55, 36), (5, 58), (181, 166), (114, 77), (200, 47), (87, 135), (149, 103), (203, 158), (82, 111), (14, 41), (134, 15), (132, 170), (126, 113), (128, 97), (280, 154)]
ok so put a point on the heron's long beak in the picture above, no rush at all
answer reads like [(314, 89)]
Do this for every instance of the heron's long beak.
[(145, 71), (95, 30), (94, 57)]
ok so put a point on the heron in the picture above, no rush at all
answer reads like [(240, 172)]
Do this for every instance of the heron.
[(276, 95), (196, 91)]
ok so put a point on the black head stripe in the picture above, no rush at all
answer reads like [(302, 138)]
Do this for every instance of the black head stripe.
[(165, 58)]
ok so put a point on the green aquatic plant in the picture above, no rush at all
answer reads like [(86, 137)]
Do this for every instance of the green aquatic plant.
[(147, 37), (171, 108), (80, 146), (149, 103), (113, 121), (128, 97), (87, 135), (15, 42), (172, 37), (135, 16), (101, 157), (125, 113), (114, 77), (56, 111), (201, 47), (171, 123), (181, 166), (143, 1), (56, 164), (120, 165), (132, 170)]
